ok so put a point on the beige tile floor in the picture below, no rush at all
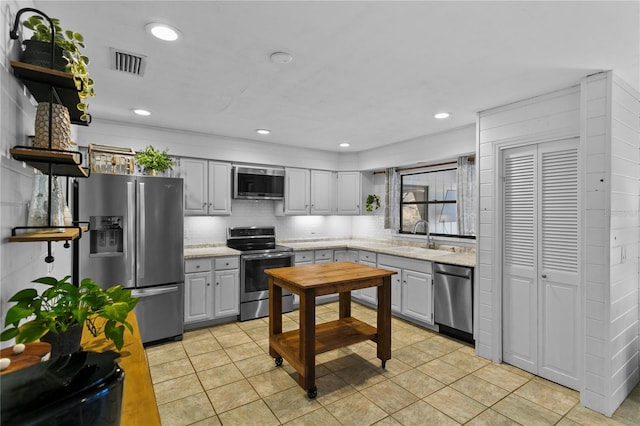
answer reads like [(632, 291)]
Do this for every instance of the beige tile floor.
[(224, 375)]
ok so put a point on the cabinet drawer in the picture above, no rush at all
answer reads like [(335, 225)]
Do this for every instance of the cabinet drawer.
[(323, 255), (304, 256), (223, 263), (367, 256), (197, 265)]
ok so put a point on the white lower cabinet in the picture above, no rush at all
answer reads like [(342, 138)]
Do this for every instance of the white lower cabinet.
[(226, 294), (211, 289), (369, 294), (309, 257), (411, 287), (198, 293)]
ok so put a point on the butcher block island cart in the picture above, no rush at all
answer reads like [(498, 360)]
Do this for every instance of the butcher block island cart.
[(299, 347)]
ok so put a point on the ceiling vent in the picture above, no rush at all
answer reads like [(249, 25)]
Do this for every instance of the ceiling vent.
[(127, 62)]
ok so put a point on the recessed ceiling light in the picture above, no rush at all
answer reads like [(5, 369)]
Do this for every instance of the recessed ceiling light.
[(345, 145), (442, 115), (281, 58), (142, 112), (263, 131), (163, 31)]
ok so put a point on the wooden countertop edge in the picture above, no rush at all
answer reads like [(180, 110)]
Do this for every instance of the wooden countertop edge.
[(139, 406)]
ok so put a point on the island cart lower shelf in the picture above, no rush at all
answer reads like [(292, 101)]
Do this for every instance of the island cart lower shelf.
[(299, 347), (329, 336)]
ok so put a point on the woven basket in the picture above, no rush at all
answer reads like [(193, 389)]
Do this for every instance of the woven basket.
[(60, 130)]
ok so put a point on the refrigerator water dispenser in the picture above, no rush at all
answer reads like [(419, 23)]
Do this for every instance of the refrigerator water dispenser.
[(106, 235)]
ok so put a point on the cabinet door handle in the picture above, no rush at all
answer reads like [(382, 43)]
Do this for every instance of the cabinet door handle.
[(544, 276), (217, 283), (208, 284)]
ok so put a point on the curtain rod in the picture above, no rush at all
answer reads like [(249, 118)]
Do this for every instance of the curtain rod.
[(404, 169)]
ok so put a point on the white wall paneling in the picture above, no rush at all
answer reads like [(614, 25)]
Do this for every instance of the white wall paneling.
[(20, 263), (604, 112)]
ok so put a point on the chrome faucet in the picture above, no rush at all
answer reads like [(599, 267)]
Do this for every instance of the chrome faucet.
[(426, 224)]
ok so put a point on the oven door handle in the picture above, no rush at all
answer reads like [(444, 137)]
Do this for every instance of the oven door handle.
[(266, 256)]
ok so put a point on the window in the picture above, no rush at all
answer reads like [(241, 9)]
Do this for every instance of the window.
[(430, 196)]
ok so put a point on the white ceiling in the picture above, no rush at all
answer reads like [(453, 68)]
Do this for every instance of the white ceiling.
[(370, 73)]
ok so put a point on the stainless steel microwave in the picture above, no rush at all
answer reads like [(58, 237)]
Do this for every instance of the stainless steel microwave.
[(258, 183)]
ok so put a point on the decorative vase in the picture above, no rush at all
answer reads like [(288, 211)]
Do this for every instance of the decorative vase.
[(60, 128), (152, 172), (39, 205), (39, 53), (64, 343)]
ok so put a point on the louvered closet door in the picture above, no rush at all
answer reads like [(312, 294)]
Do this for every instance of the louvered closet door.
[(540, 260), (558, 312), (519, 291)]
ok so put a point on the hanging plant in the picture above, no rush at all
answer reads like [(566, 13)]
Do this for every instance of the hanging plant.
[(71, 44), (373, 202)]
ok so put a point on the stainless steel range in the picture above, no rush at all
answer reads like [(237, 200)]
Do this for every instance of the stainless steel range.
[(259, 252)]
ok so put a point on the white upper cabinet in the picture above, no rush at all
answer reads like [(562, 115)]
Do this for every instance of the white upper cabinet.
[(323, 183), (349, 191), (296, 191), (219, 188), (207, 187), (194, 174)]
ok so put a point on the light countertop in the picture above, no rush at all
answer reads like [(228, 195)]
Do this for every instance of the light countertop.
[(195, 252), (463, 257)]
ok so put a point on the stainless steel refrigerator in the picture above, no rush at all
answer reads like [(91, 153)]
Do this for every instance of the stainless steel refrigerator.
[(135, 239)]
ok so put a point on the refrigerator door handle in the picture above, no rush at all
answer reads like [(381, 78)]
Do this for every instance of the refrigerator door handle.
[(129, 251), (150, 292), (141, 230)]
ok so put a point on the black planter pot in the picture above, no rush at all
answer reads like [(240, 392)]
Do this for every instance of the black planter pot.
[(39, 53), (64, 343)]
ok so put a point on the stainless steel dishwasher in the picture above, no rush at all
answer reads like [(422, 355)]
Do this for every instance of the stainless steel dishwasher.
[(453, 300)]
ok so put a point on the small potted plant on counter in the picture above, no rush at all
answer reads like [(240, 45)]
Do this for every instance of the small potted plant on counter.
[(58, 314), (154, 160)]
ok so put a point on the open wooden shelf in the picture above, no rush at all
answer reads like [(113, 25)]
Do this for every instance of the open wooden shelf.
[(62, 163), (40, 80), (329, 336), (48, 235)]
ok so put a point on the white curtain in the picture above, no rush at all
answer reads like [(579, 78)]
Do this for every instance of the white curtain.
[(466, 201), (392, 200)]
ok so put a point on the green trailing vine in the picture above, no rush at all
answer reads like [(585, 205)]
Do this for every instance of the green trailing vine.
[(373, 202)]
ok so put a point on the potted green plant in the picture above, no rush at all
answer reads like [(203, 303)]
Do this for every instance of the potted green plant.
[(62, 307), (373, 202), (70, 45), (154, 160)]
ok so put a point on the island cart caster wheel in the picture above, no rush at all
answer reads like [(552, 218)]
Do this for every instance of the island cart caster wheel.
[(278, 361), (384, 363), (312, 392)]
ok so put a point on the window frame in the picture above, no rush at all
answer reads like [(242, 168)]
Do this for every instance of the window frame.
[(423, 170)]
